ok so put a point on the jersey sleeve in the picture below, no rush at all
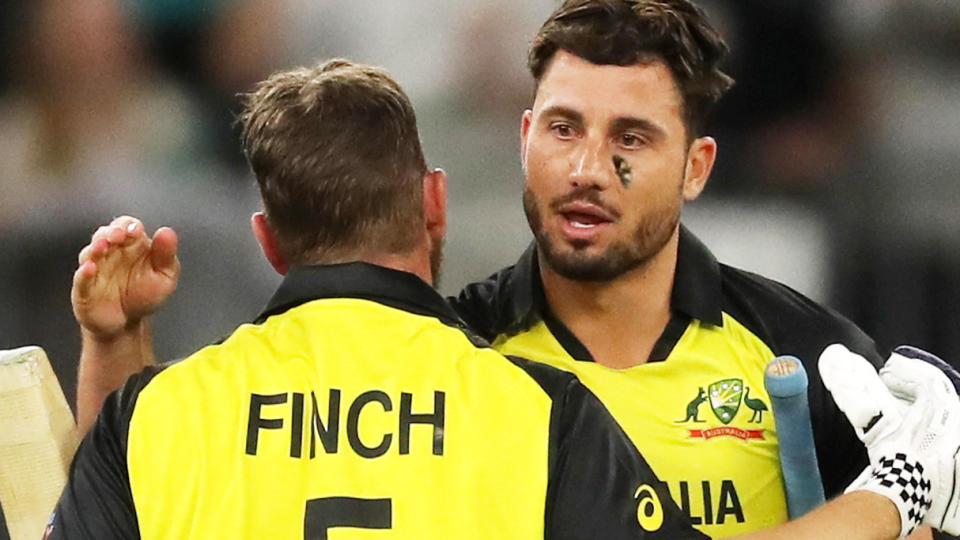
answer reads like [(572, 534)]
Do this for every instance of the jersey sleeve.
[(97, 502), (599, 485)]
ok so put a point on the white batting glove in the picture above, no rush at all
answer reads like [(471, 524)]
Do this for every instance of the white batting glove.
[(909, 420), (923, 380)]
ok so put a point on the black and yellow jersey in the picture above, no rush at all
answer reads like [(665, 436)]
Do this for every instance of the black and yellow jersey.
[(359, 406), (698, 410)]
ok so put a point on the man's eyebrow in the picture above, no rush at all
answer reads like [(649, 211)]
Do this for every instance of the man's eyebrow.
[(565, 112), (625, 123)]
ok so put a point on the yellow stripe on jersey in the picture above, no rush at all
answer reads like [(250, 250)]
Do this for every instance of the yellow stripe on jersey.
[(701, 418), (395, 430)]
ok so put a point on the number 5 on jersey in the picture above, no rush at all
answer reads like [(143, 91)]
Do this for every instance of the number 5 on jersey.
[(329, 512)]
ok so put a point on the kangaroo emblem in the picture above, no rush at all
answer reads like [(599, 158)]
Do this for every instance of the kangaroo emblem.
[(693, 408)]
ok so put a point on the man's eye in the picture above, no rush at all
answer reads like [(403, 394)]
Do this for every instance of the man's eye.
[(562, 130), (630, 140)]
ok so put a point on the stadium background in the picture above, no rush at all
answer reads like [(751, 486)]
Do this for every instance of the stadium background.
[(839, 147)]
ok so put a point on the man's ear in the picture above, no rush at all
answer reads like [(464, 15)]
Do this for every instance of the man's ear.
[(268, 242), (435, 203), (525, 122), (700, 160)]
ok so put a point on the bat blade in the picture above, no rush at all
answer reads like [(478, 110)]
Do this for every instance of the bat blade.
[(786, 383), (37, 440)]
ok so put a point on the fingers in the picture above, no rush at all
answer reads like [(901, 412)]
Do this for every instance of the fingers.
[(122, 231), (919, 354), (83, 279), (94, 250), (910, 378), (934, 407), (125, 230)]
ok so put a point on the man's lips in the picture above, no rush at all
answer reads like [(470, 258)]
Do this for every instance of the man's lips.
[(581, 220), (586, 213)]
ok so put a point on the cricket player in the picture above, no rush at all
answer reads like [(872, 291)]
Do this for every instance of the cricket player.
[(617, 291)]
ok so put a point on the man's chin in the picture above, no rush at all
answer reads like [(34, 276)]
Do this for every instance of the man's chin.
[(582, 248), (579, 265)]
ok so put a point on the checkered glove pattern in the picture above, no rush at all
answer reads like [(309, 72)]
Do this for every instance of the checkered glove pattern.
[(902, 480), (903, 375), (908, 417)]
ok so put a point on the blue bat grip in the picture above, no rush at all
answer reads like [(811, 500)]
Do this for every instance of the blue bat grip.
[(786, 383)]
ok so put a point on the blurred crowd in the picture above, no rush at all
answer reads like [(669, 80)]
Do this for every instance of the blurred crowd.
[(838, 147)]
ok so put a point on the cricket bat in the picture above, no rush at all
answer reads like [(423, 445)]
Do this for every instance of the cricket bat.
[(38, 437), (786, 382)]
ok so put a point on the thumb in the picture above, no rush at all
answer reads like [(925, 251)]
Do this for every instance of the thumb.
[(857, 390), (163, 252)]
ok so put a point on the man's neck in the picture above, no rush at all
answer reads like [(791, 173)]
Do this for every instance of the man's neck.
[(411, 263), (417, 261), (618, 321)]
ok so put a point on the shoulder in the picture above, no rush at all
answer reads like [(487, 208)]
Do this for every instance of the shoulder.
[(575, 409), (556, 383), (119, 407), (501, 303), (97, 500), (792, 324), (788, 321), (572, 402)]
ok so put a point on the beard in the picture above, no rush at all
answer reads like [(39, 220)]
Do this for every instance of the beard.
[(649, 237), (436, 262)]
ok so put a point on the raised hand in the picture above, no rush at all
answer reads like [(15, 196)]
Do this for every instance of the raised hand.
[(123, 276)]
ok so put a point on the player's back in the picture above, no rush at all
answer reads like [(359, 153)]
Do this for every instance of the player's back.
[(359, 406), (341, 413)]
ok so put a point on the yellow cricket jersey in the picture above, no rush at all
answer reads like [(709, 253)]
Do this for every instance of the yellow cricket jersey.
[(697, 410), (358, 406)]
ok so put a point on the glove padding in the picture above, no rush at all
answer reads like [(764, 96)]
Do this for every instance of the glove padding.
[(908, 417), (910, 372), (920, 354)]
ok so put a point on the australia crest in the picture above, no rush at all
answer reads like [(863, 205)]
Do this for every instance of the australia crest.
[(725, 397)]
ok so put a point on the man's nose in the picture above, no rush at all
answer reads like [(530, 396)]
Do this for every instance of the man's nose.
[(591, 164)]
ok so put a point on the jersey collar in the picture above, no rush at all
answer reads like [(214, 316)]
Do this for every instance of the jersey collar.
[(697, 288), (394, 288), (696, 295)]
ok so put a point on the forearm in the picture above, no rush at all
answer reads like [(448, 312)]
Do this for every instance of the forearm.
[(859, 515), (105, 365)]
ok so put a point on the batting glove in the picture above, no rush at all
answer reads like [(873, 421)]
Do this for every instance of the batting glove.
[(909, 420), (909, 374)]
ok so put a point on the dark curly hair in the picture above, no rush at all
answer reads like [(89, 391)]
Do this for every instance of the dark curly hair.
[(628, 32)]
